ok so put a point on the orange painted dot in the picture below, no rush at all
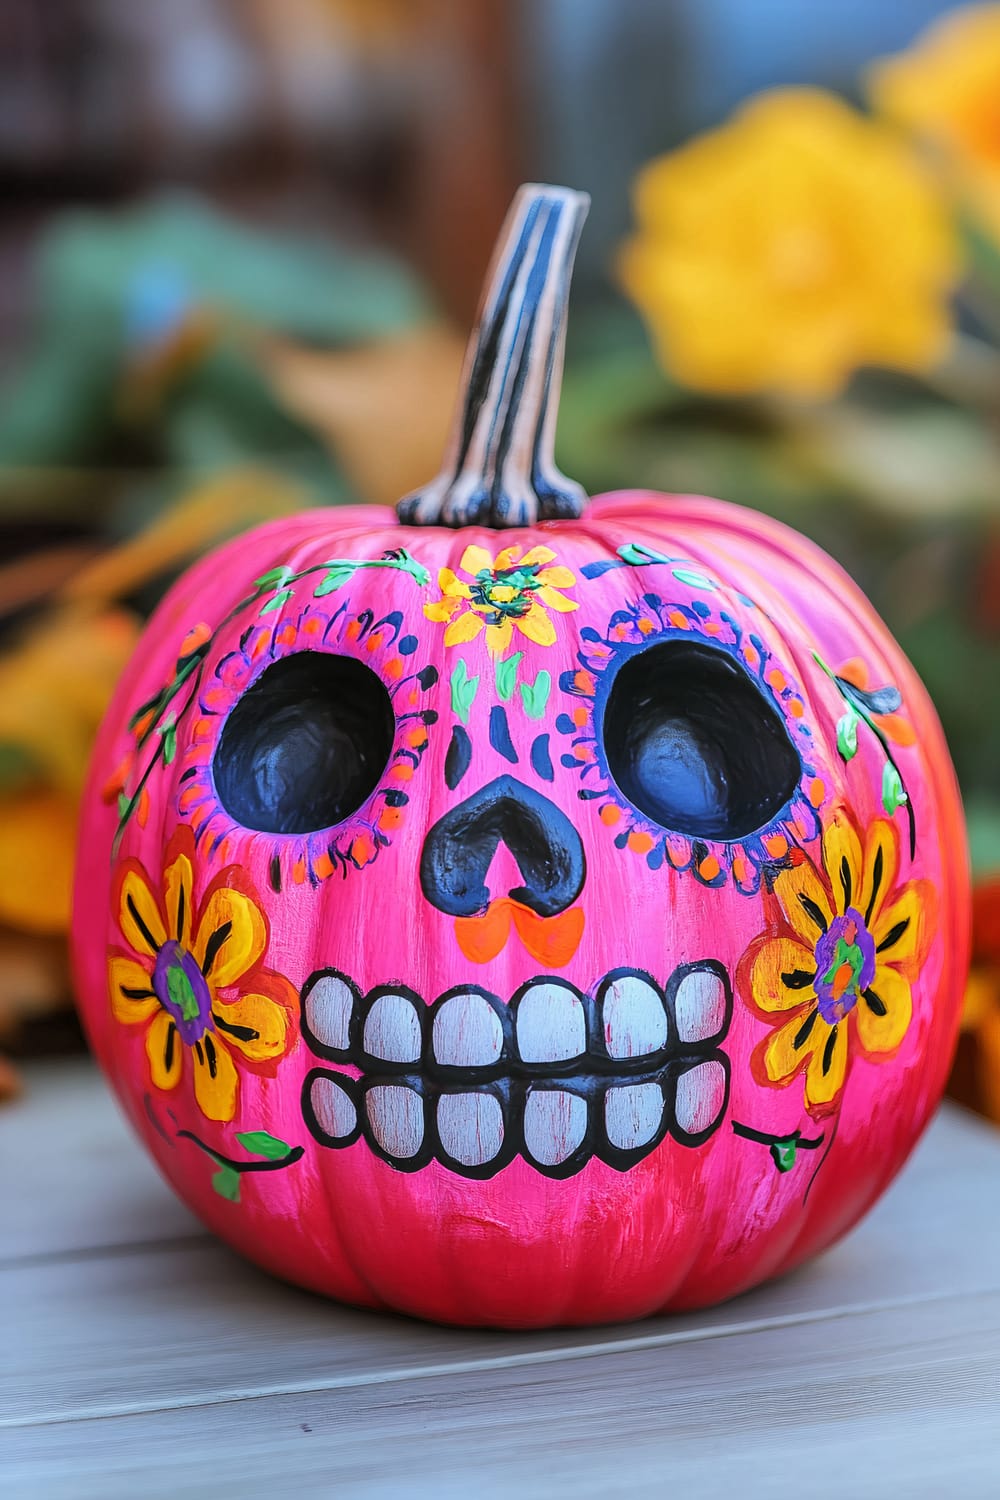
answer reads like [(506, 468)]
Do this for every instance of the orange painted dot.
[(390, 818), (710, 627), (776, 845), (579, 717), (740, 869), (402, 771), (413, 697), (610, 814), (709, 867), (817, 792), (374, 641), (417, 737), (196, 636), (362, 849), (646, 627), (776, 679), (751, 656), (582, 752), (394, 668), (142, 810), (640, 843), (353, 630), (583, 681), (143, 724), (259, 646), (299, 871), (796, 708), (312, 625), (198, 816), (322, 866), (678, 620), (286, 635), (190, 794)]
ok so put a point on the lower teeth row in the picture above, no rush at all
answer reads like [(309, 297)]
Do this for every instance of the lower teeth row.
[(556, 1128)]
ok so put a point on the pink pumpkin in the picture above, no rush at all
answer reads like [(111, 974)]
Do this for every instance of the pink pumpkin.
[(548, 916)]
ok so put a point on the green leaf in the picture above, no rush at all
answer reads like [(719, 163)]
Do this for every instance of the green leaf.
[(535, 695), (276, 601), (169, 744), (463, 691), (507, 675), (226, 1182), (274, 578), (847, 734), (693, 579), (632, 552), (124, 802), (893, 795), (335, 578), (260, 1143), (783, 1153)]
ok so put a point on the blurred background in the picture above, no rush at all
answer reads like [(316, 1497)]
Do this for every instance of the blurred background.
[(241, 244)]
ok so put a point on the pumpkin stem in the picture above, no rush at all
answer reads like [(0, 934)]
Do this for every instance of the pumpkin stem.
[(499, 468)]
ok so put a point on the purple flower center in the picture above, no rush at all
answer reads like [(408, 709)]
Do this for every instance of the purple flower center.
[(181, 990), (845, 965)]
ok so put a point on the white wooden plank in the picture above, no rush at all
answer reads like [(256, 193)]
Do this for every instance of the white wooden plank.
[(72, 1174), (899, 1402)]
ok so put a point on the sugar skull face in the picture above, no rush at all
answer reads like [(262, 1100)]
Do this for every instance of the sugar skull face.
[(479, 900)]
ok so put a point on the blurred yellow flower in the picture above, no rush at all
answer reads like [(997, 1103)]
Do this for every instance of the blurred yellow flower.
[(793, 244), (946, 89)]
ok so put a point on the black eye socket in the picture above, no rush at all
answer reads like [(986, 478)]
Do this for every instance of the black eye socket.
[(305, 746), (694, 744)]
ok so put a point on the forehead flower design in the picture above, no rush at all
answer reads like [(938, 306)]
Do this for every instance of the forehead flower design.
[(502, 594), (763, 705), (192, 979), (836, 981)]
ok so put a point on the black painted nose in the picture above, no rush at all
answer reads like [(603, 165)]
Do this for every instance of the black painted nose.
[(460, 847)]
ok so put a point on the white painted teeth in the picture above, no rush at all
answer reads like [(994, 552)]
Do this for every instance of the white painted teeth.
[(396, 1118), (700, 1098), (335, 1110), (470, 1127), (551, 1024), (393, 1032), (328, 1007), (701, 1002), (555, 1076), (633, 1114), (467, 1033), (633, 1018), (555, 1123)]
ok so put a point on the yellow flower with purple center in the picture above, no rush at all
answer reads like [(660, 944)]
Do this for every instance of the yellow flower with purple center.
[(790, 246), (836, 982), (193, 980), (500, 595)]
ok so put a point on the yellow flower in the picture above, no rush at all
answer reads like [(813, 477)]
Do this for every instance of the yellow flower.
[(946, 90), (837, 980), (188, 959), (787, 248), (500, 594)]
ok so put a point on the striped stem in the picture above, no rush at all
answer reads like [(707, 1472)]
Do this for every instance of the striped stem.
[(499, 468)]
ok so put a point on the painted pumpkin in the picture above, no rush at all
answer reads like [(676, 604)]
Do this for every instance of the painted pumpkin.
[(516, 913)]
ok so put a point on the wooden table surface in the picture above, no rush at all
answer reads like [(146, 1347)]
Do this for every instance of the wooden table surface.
[(139, 1358)]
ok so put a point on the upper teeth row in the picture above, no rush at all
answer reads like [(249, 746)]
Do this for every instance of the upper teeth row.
[(549, 1023)]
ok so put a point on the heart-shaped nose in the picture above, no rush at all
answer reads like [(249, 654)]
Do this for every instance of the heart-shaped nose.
[(459, 850)]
